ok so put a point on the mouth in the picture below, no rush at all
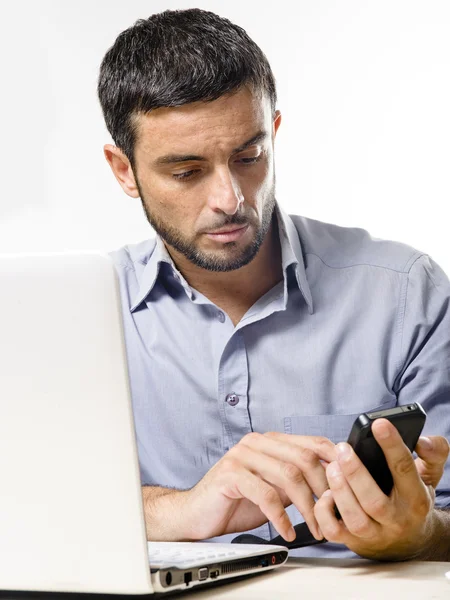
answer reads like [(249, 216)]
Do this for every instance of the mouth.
[(228, 235)]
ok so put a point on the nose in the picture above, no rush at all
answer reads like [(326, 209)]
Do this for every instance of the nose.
[(225, 193)]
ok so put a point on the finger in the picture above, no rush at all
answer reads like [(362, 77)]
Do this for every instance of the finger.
[(332, 529), (433, 453), (263, 495), (357, 521), (285, 476), (370, 497), (287, 451), (322, 446), (399, 459)]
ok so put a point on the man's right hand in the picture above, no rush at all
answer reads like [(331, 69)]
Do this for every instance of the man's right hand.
[(255, 481)]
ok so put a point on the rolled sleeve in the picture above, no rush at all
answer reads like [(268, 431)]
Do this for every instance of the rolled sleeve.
[(425, 353)]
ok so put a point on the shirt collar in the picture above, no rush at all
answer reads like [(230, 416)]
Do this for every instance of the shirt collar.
[(151, 271), (291, 254)]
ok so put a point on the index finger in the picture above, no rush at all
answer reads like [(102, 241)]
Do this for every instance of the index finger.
[(398, 457), (322, 446)]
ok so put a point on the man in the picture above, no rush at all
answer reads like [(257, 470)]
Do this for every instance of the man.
[(255, 338)]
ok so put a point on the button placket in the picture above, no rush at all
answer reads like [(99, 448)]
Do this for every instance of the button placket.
[(232, 389)]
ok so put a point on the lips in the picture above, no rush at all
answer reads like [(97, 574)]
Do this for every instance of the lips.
[(228, 235), (230, 230)]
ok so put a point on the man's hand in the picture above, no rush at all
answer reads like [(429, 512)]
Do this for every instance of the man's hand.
[(255, 481), (394, 527)]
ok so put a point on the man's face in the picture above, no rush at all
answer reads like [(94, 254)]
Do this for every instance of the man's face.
[(204, 167)]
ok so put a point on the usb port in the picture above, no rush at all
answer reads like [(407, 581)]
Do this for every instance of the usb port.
[(214, 574)]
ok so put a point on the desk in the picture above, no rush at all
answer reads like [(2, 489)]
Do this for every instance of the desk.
[(338, 579), (307, 579)]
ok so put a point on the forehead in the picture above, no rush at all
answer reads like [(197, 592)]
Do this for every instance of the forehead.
[(220, 125)]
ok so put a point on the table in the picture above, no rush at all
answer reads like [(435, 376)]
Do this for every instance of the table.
[(305, 579), (337, 579)]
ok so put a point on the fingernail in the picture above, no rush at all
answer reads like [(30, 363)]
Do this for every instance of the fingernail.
[(292, 534), (344, 451), (425, 442), (326, 494), (334, 470)]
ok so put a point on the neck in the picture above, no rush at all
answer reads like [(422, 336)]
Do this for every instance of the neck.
[(243, 286)]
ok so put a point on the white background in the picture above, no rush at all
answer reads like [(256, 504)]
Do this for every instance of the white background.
[(364, 89)]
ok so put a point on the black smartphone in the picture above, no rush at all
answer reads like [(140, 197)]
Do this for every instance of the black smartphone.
[(408, 419)]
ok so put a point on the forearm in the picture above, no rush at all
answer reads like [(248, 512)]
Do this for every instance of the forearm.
[(165, 519), (437, 546)]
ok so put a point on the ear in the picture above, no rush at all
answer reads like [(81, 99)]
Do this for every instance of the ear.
[(276, 122), (121, 167)]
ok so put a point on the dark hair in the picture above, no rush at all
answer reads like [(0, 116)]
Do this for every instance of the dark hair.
[(174, 58)]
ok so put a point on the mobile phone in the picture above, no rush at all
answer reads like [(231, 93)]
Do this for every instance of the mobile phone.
[(408, 419)]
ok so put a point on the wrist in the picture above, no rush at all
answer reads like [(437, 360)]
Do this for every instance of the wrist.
[(436, 537), (164, 515)]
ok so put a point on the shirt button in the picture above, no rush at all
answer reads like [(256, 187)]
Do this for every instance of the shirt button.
[(232, 399), (221, 316)]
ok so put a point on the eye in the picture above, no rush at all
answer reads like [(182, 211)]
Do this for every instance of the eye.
[(247, 161), (250, 160), (185, 175)]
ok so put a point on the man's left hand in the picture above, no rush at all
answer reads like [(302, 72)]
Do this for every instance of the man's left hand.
[(395, 527)]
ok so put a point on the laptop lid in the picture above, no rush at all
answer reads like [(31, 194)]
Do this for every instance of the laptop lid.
[(71, 516)]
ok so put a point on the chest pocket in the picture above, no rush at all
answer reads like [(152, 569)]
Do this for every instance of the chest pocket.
[(334, 427)]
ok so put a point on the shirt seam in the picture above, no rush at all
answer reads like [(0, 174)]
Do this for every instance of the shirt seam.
[(415, 256), (402, 313)]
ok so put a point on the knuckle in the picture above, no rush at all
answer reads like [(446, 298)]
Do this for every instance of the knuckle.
[(404, 465), (279, 515), (378, 507), (292, 473), (272, 434), (230, 464), (323, 442), (352, 467), (306, 455), (269, 496), (251, 437), (360, 527)]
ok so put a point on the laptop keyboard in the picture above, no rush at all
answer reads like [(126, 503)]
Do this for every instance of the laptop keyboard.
[(186, 554)]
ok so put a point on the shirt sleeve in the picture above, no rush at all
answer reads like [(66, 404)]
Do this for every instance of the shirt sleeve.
[(425, 353)]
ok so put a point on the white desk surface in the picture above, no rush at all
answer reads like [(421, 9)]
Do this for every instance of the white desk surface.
[(338, 579)]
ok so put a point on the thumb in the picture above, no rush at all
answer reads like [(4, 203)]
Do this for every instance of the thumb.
[(432, 454)]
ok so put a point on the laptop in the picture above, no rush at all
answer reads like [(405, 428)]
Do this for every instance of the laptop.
[(71, 513)]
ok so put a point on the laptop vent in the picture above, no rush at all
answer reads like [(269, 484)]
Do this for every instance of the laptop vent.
[(241, 565)]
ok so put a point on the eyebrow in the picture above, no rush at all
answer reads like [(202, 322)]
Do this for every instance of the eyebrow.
[(179, 158)]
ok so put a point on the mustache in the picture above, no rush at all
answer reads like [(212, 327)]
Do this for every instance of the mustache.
[(233, 220)]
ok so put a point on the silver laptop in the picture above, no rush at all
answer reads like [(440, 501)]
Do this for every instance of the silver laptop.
[(71, 514)]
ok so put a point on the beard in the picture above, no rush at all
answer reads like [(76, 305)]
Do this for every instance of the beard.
[(214, 261)]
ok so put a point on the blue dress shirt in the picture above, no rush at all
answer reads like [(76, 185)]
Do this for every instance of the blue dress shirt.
[(357, 323)]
